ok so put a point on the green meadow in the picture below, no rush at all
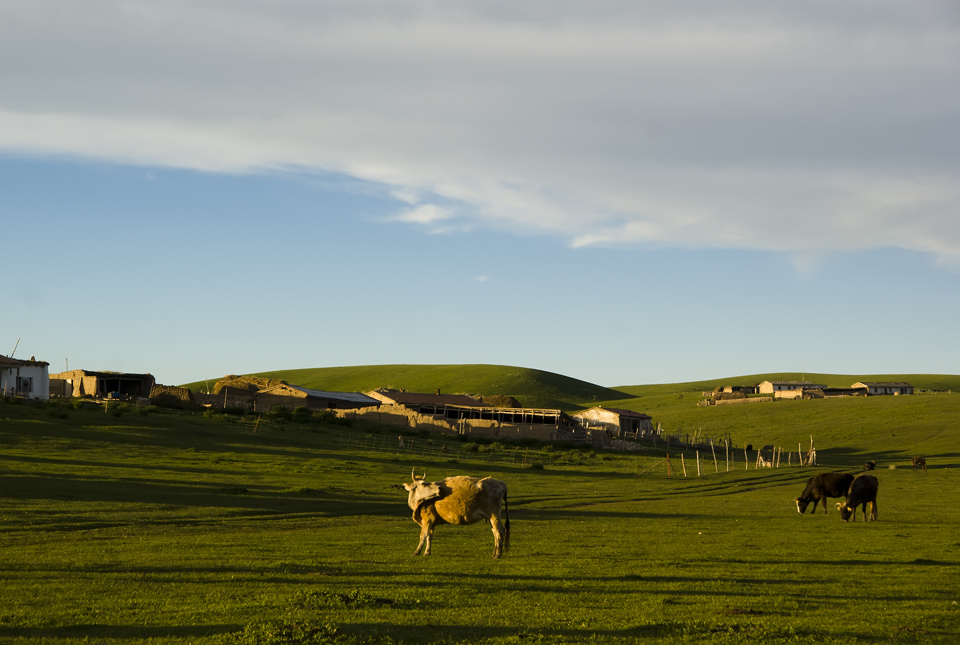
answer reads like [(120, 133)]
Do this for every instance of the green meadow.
[(127, 526)]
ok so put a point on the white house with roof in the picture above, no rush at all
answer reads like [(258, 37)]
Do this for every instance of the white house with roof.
[(29, 379), (772, 387)]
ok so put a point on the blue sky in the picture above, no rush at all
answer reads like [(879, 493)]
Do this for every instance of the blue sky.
[(620, 192)]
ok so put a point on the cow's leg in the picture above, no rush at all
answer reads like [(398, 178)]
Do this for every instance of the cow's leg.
[(498, 537), (429, 538), (873, 511), (426, 532)]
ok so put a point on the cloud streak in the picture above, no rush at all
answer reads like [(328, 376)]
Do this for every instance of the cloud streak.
[(800, 129)]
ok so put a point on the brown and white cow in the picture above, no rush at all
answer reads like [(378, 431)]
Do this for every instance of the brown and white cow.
[(459, 500), (863, 491), (919, 462)]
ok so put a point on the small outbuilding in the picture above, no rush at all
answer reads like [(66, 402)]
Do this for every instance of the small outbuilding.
[(101, 385), (29, 379), (617, 421)]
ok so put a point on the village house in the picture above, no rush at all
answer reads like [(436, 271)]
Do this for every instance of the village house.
[(881, 388), (29, 379), (772, 387), (616, 421)]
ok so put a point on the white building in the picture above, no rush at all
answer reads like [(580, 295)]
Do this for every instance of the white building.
[(29, 379), (771, 387)]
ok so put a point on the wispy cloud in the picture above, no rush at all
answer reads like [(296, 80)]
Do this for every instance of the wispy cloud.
[(801, 128)]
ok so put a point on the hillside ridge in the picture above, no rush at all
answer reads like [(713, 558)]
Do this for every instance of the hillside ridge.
[(543, 389)]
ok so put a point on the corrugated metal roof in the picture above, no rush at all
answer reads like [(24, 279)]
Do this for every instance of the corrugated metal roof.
[(353, 397), (417, 398)]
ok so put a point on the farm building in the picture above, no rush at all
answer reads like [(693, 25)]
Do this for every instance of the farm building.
[(741, 389), (616, 421), (880, 388), (29, 379), (432, 404), (771, 387), (258, 394), (83, 383)]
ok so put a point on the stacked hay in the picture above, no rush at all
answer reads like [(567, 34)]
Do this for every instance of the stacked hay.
[(248, 384), (171, 395)]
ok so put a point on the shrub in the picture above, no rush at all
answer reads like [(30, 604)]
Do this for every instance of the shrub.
[(279, 412), (287, 631)]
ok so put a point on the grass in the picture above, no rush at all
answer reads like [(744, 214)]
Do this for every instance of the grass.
[(185, 529)]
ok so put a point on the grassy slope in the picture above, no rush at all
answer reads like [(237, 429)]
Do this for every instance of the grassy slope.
[(185, 529)]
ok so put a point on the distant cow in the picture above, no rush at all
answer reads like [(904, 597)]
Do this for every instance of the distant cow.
[(820, 487), (459, 500), (919, 462), (863, 491)]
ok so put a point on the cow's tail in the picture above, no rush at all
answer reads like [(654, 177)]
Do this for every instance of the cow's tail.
[(506, 523)]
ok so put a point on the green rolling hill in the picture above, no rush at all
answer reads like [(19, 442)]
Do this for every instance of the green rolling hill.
[(883, 427), (533, 388)]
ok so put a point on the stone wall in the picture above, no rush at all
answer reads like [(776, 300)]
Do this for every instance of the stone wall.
[(753, 399)]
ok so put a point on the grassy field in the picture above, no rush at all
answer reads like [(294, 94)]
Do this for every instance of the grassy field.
[(122, 527)]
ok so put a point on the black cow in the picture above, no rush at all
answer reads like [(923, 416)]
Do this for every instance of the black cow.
[(820, 487), (919, 462), (863, 491)]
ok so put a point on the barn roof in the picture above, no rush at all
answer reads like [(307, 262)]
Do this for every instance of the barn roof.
[(353, 397), (883, 384), (417, 398)]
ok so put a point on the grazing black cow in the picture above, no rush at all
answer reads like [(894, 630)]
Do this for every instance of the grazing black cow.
[(820, 487), (919, 462), (863, 491)]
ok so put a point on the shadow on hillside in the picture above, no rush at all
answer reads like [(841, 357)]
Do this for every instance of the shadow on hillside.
[(216, 497)]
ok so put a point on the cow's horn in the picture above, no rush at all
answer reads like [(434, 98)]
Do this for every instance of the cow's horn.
[(413, 473)]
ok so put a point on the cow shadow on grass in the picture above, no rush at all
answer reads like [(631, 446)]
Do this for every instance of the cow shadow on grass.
[(842, 458), (97, 631)]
